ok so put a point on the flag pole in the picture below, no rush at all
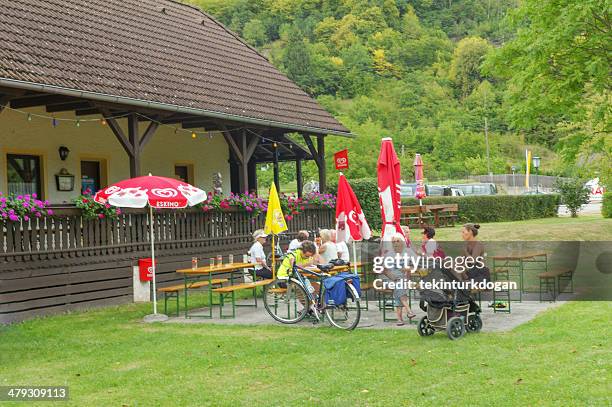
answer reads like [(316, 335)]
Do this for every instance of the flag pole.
[(354, 257), (273, 257)]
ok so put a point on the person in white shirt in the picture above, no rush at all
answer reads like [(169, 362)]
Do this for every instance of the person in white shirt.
[(297, 242), (257, 255), (343, 251), (328, 250)]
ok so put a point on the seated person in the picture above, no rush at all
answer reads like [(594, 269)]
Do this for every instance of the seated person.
[(327, 250), (258, 257), (430, 246), (303, 256), (343, 251), (297, 242)]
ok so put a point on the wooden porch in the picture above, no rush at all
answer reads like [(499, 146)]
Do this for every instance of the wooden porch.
[(65, 261)]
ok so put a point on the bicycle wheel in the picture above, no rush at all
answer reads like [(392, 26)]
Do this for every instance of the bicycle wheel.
[(345, 316), (286, 301)]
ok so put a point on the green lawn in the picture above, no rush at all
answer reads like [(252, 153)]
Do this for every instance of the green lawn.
[(108, 357), (587, 227)]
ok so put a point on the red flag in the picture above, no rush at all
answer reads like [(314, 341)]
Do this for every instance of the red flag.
[(389, 189), (349, 214), (341, 159)]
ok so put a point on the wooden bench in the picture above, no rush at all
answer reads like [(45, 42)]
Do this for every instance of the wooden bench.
[(230, 290), (550, 281), (173, 290)]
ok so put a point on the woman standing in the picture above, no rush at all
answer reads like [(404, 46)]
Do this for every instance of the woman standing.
[(397, 273)]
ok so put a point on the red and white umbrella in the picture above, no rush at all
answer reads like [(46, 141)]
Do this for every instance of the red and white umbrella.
[(418, 177), (156, 192), (389, 170), (350, 216)]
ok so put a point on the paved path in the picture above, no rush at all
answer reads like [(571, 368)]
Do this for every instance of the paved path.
[(372, 319)]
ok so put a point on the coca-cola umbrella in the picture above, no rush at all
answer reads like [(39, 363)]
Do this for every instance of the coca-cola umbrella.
[(389, 170), (156, 192), (350, 216)]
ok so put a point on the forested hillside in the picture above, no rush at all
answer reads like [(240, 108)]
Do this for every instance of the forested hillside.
[(434, 73)]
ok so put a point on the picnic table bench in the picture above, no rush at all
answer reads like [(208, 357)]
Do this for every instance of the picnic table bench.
[(550, 281), (231, 291), (173, 290)]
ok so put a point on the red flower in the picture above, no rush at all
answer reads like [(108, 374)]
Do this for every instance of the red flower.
[(85, 200), (289, 217), (101, 215)]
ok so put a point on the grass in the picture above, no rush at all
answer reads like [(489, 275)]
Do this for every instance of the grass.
[(585, 227), (108, 357)]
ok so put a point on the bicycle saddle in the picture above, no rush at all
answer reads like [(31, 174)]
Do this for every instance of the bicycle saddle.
[(325, 267)]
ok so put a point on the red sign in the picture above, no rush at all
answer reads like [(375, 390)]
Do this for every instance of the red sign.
[(341, 159), (145, 268)]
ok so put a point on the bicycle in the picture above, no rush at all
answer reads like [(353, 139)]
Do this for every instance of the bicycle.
[(289, 301)]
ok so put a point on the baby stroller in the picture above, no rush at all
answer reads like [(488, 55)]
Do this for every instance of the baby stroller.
[(451, 310)]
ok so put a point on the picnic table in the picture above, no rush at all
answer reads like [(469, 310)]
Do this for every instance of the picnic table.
[(440, 214), (191, 276)]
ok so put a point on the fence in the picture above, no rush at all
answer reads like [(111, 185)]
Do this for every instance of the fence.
[(65, 261)]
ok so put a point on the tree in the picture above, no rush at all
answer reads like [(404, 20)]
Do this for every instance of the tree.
[(574, 194), (560, 49), (254, 32), (466, 62)]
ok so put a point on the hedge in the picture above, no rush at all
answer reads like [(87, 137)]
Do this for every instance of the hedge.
[(480, 209), (606, 205)]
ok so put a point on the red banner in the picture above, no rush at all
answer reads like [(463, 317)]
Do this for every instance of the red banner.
[(341, 159)]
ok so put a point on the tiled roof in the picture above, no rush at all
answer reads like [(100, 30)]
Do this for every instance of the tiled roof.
[(153, 50)]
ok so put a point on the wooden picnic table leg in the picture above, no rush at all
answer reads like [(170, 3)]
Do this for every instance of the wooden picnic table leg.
[(185, 295), (437, 218)]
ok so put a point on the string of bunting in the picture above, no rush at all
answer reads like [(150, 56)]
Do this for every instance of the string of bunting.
[(55, 121)]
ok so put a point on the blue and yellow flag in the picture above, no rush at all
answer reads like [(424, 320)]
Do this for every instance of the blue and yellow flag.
[(275, 220)]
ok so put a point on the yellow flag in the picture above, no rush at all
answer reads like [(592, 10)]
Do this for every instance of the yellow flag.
[(275, 220), (528, 167)]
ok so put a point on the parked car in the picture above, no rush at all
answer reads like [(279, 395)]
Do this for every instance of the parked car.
[(485, 188), (408, 190)]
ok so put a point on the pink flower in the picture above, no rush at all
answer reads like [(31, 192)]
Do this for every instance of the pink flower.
[(101, 215), (118, 211), (289, 217), (106, 206), (13, 217), (34, 195), (26, 218), (49, 212)]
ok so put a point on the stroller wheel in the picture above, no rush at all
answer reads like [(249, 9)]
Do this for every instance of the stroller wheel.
[(424, 329), (455, 328), (474, 324)]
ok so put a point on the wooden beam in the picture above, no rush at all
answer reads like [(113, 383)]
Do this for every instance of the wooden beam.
[(321, 164), (33, 101), (148, 134), (119, 134), (298, 177), (62, 107), (87, 112), (244, 164), (312, 149), (232, 143), (252, 146)]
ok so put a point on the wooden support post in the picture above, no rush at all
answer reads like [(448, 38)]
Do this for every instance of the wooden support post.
[(298, 177), (133, 143), (321, 164), (253, 175), (276, 173), (244, 165), (133, 138)]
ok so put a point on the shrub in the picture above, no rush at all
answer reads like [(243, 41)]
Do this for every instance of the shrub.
[(489, 208), (574, 194), (22, 207), (606, 205)]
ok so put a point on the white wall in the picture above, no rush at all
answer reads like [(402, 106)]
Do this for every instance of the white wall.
[(93, 140)]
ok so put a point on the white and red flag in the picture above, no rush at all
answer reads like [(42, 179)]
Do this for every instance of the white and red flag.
[(389, 174), (350, 220), (418, 177)]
